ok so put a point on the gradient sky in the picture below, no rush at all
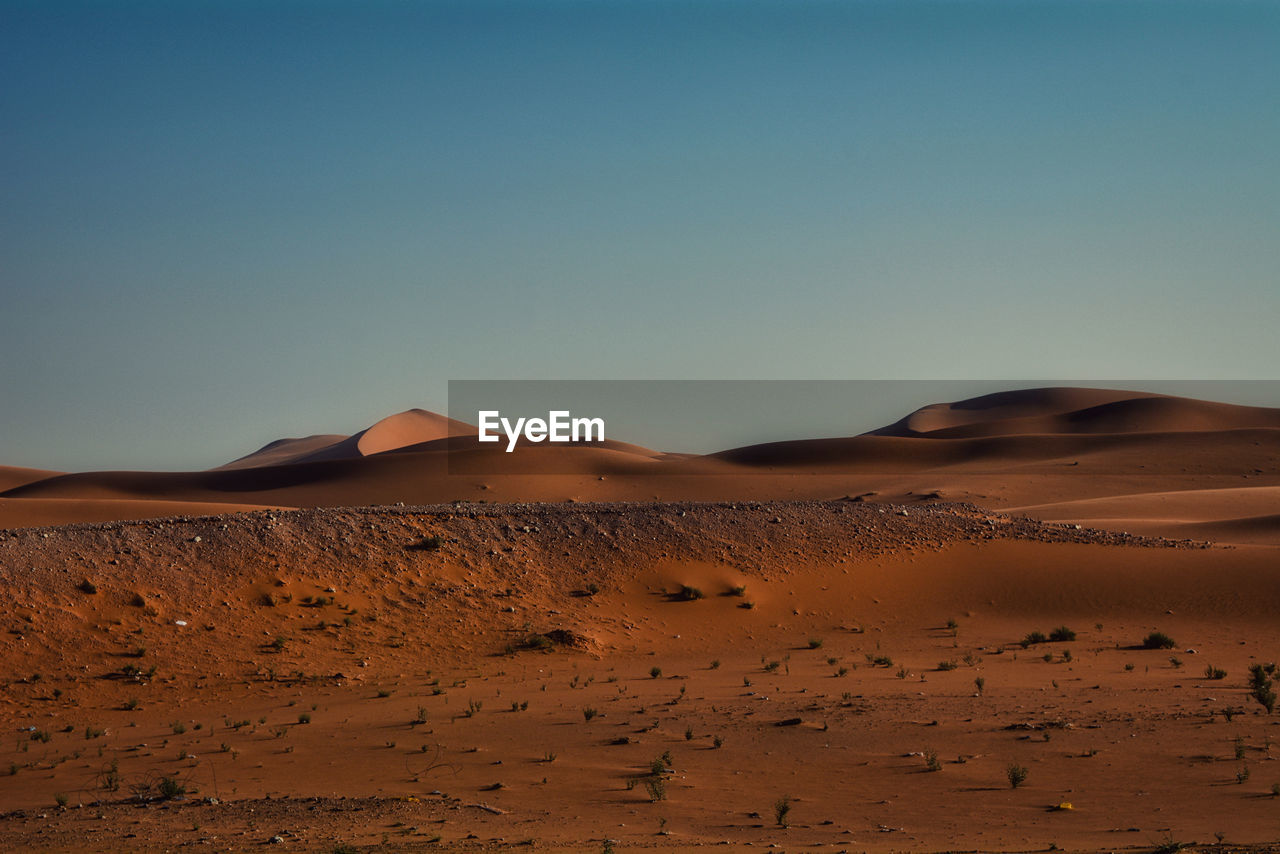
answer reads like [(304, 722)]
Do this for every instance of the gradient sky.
[(229, 222)]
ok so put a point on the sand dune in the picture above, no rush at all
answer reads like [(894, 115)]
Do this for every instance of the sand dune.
[(1039, 451), (412, 427), (1074, 410), (284, 451), (12, 476)]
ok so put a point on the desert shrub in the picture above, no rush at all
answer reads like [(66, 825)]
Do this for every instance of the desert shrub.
[(688, 594), (655, 782), (1062, 634), (1158, 640), (947, 665), (782, 810), (431, 544), (739, 590), (772, 666), (169, 788), (588, 713), (655, 671), (1033, 638), (537, 642), (1211, 672), (815, 643), (931, 760), (1017, 774), (981, 684), (1260, 686)]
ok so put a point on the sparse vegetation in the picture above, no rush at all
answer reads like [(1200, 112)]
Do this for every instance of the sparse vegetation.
[(1211, 672), (655, 672), (1260, 686), (688, 594), (1062, 634), (169, 788), (1158, 640), (1033, 638), (1016, 774), (655, 782), (931, 760), (782, 811)]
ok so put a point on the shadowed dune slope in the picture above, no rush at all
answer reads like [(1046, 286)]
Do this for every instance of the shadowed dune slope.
[(284, 451), (12, 476)]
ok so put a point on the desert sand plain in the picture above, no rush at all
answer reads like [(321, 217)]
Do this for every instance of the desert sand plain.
[(859, 644)]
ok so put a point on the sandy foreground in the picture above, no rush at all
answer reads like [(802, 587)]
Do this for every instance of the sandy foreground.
[(807, 675)]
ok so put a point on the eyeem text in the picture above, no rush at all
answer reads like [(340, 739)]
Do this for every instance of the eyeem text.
[(559, 426)]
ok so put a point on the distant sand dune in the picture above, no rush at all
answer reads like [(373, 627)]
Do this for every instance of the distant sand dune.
[(1154, 463), (1069, 411)]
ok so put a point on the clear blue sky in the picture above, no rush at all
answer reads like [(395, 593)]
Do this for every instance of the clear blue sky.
[(225, 222)]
